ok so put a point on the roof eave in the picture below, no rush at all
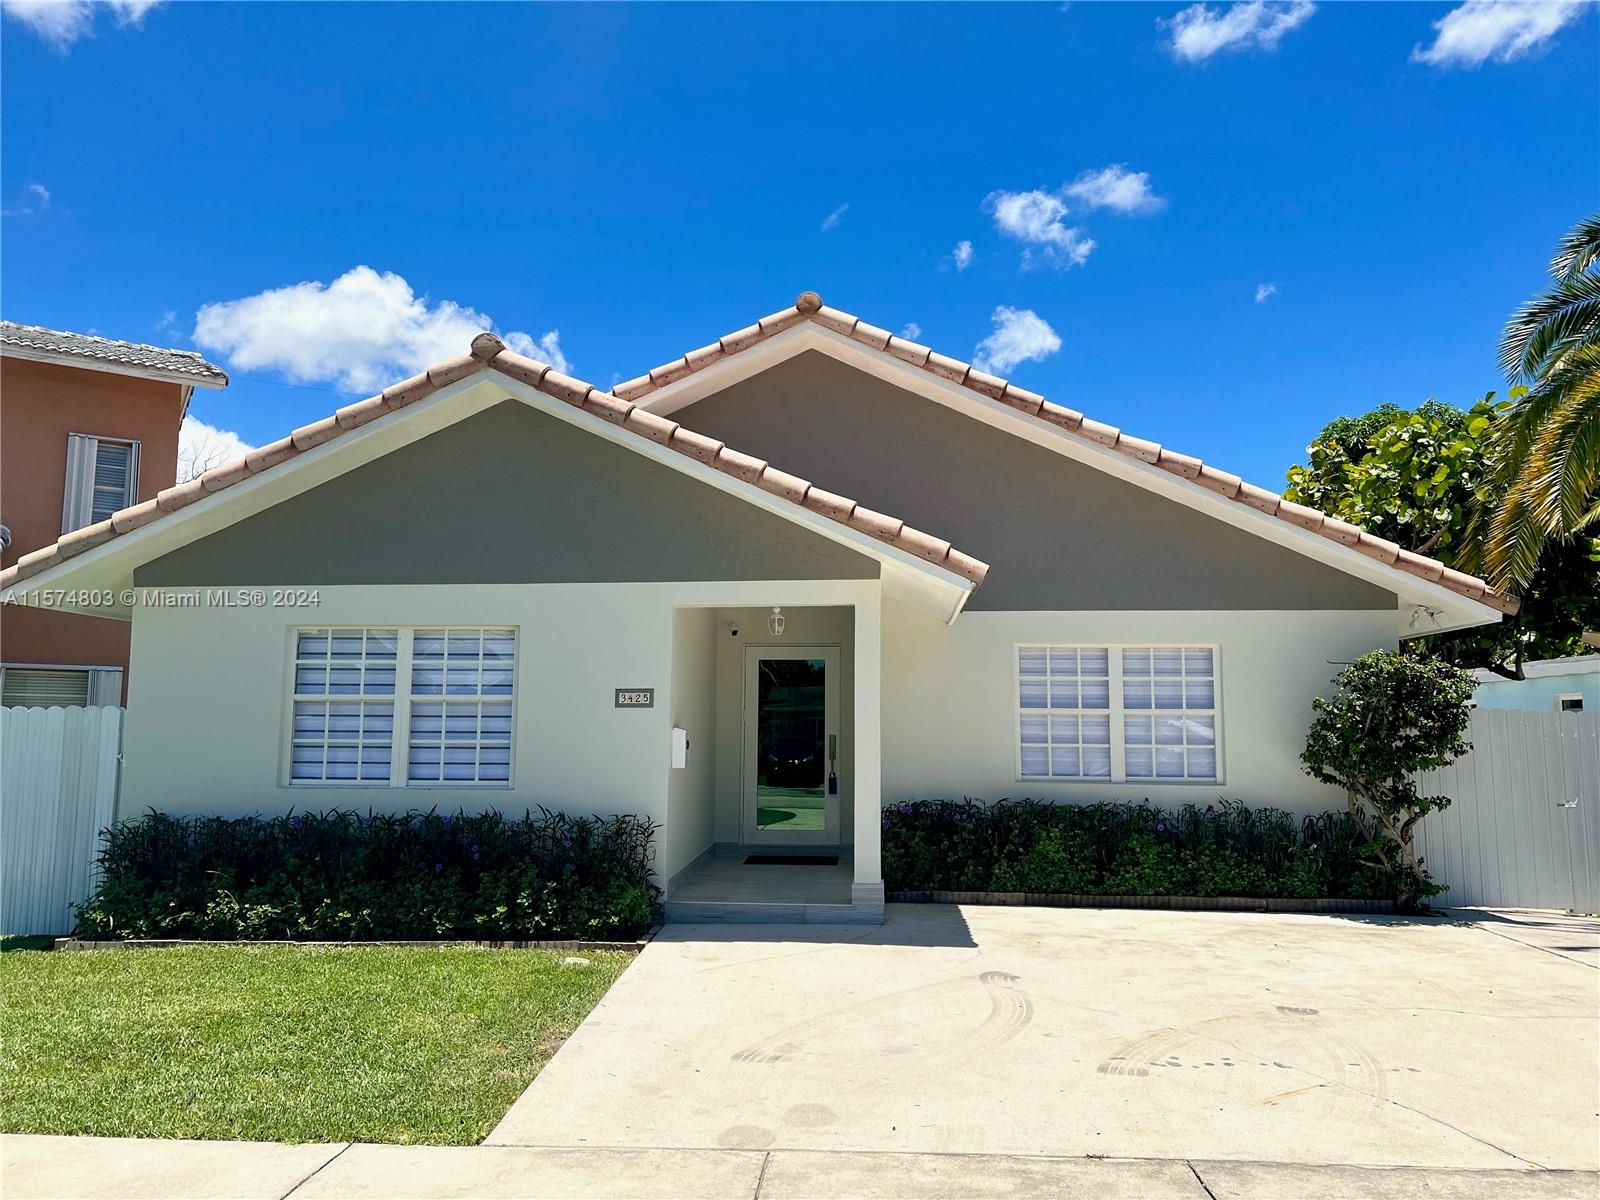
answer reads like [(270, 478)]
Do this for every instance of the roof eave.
[(33, 354)]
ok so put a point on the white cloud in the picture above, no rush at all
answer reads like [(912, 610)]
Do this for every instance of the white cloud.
[(1200, 31), (1020, 335), (546, 348), (36, 200), (1115, 187), (62, 22), (1265, 290), (360, 332), (832, 219), (202, 446), (912, 331), (962, 255), (1035, 219), (1480, 30)]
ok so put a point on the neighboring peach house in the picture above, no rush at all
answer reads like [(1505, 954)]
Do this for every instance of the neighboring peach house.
[(800, 573), (88, 426)]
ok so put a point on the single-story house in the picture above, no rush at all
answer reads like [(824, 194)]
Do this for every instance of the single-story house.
[(1550, 685), (802, 572)]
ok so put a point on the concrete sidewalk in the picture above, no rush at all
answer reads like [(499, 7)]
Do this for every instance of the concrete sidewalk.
[(63, 1168)]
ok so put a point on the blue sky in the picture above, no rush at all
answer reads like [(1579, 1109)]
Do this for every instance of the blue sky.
[(638, 180)]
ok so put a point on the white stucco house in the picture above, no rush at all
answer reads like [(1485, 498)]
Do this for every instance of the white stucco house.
[(802, 572)]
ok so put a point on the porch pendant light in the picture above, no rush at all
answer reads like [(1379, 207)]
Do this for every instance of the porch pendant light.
[(775, 622)]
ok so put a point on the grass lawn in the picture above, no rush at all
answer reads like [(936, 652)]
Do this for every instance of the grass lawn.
[(283, 1043)]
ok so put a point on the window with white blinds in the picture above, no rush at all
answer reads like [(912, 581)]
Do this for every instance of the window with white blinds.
[(1169, 721), (102, 478), (399, 706), (461, 683), (1065, 694), (1117, 713)]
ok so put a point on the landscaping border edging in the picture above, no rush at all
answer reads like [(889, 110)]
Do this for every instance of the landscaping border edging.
[(73, 944), (1181, 903)]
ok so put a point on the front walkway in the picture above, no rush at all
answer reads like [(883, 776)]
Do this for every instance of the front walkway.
[(52, 1168), (728, 888), (1070, 1032)]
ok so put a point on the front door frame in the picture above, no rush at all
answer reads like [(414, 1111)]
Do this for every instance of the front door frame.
[(749, 831)]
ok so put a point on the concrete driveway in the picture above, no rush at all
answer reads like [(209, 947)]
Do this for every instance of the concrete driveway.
[(1466, 1043)]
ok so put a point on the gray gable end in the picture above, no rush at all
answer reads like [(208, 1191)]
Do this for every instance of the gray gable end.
[(1057, 534), (510, 495)]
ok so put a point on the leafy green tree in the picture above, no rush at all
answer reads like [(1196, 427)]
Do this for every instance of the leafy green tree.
[(1393, 714), (1548, 469), (1417, 478), (1412, 478)]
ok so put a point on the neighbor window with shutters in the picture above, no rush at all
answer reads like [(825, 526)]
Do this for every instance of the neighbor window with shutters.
[(402, 706), (1118, 713), (59, 687), (102, 479)]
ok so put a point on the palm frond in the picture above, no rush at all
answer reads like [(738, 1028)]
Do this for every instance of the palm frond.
[(1578, 250), (1546, 328), (1547, 471), (1512, 542), (1571, 443)]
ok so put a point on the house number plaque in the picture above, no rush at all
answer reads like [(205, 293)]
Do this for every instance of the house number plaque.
[(636, 698)]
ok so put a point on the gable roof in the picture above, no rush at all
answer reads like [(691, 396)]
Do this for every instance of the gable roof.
[(39, 344), (808, 307), (489, 353)]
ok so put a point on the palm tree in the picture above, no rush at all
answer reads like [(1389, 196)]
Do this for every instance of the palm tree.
[(1549, 443)]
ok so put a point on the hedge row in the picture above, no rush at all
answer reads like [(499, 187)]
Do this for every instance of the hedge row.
[(1222, 849), (344, 875)]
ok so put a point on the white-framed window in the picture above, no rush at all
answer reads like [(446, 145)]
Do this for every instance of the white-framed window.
[(1118, 714), (1169, 712), (1064, 717), (102, 479), (401, 706), (1569, 702), (343, 696), (461, 683)]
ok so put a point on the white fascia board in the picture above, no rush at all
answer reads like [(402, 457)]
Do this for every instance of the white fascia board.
[(1582, 664), (109, 566), (1454, 611), (111, 368)]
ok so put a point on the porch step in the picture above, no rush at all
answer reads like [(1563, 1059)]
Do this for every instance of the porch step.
[(745, 912)]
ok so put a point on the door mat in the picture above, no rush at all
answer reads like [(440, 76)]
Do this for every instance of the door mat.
[(792, 860)]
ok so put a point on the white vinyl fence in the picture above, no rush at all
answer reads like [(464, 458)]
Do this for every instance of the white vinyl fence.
[(58, 789), (1524, 828)]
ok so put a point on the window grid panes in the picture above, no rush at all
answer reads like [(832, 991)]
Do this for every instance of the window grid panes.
[(460, 719), (1169, 712), (1064, 717), (343, 728)]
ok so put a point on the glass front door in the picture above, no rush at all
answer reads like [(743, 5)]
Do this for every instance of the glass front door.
[(791, 744)]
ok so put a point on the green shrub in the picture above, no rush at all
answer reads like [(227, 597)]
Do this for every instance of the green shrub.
[(1393, 714), (1222, 849), (343, 875)]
